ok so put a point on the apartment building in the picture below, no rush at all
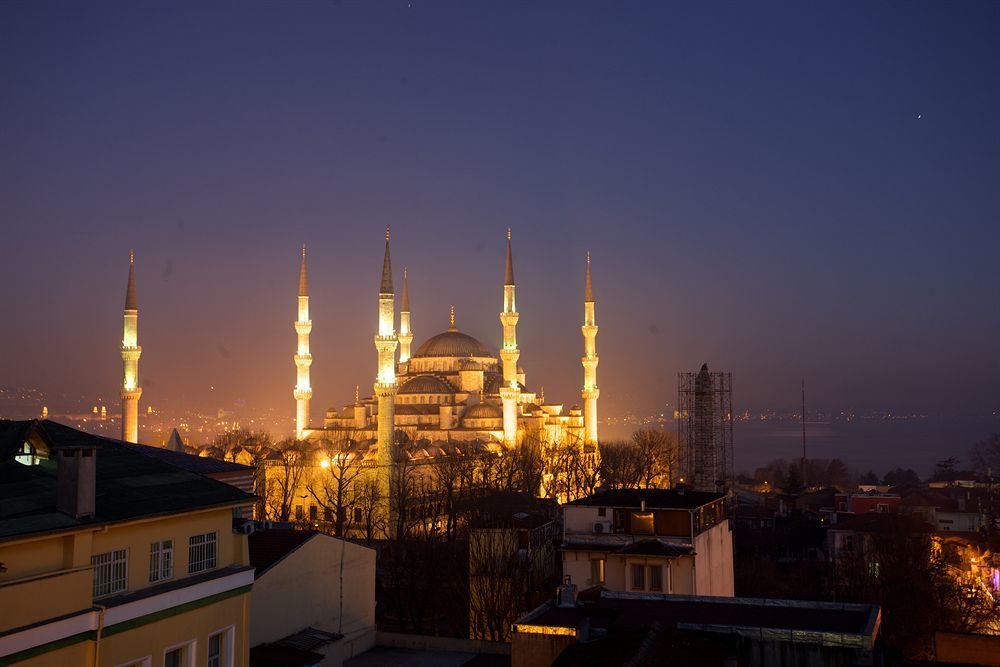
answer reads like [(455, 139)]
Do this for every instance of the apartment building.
[(649, 540), (109, 556)]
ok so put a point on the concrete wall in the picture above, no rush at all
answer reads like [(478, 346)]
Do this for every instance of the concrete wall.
[(714, 561), (964, 648), (303, 590), (581, 519), (537, 650)]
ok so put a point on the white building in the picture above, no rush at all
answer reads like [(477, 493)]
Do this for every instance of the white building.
[(311, 593), (649, 540)]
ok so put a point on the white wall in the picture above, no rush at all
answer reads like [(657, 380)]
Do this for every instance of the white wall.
[(714, 561), (303, 590)]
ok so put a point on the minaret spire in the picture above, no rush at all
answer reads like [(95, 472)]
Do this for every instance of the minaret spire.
[(509, 354), (405, 334), (451, 320), (385, 384), (302, 357), (590, 361), (386, 286), (131, 391)]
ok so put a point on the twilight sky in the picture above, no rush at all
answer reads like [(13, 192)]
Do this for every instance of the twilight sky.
[(779, 189)]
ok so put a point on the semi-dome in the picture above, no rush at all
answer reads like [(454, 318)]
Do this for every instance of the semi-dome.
[(452, 344), (426, 384)]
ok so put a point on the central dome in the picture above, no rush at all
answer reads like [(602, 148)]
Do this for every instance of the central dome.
[(452, 344)]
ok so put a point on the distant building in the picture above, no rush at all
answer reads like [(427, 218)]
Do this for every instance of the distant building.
[(312, 593), (649, 540), (107, 551), (601, 627), (863, 503)]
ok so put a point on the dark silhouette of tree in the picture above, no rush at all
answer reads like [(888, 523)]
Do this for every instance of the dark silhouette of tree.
[(868, 478), (900, 477), (985, 455), (793, 481)]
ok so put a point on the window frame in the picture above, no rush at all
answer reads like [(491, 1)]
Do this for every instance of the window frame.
[(123, 580), (187, 657), (637, 569), (227, 644), (656, 573), (211, 546), (158, 555)]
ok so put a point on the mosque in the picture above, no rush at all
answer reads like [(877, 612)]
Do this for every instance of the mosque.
[(452, 389)]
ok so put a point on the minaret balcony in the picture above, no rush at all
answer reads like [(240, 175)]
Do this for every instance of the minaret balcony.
[(303, 327), (303, 360), (131, 394), (385, 388), (131, 353), (302, 394), (588, 394)]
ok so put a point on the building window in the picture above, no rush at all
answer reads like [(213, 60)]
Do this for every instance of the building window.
[(161, 560), (27, 455), (602, 511), (842, 506), (299, 513), (313, 513), (202, 552), (883, 508), (220, 648), (327, 514), (179, 656), (358, 516), (110, 572), (597, 571), (638, 578), (656, 577), (848, 542)]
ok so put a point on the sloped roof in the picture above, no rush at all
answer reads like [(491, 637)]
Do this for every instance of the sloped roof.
[(130, 484), (203, 465), (268, 547)]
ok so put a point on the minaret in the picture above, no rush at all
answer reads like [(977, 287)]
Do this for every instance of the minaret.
[(385, 383), (303, 359), (509, 354), (405, 334), (589, 360), (131, 391)]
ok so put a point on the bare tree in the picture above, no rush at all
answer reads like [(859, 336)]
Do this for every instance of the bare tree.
[(286, 466), (334, 489), (497, 583)]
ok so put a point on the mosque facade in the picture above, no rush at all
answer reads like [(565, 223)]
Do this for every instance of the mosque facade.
[(452, 388)]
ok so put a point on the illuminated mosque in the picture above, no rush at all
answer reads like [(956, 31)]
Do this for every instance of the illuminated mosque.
[(452, 388)]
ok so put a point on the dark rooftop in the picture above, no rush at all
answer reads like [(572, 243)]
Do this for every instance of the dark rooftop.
[(654, 498), (614, 611), (267, 547), (130, 483), (203, 465)]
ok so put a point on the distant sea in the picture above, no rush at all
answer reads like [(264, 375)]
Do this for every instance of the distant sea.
[(863, 444)]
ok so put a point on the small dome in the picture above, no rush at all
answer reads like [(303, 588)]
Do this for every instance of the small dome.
[(452, 344), (469, 365), (482, 411), (426, 384)]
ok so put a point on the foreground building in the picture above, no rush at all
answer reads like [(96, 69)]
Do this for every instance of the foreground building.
[(313, 594), (610, 628), (109, 556), (649, 540)]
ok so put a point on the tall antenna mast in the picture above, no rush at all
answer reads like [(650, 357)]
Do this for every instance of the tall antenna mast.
[(804, 484)]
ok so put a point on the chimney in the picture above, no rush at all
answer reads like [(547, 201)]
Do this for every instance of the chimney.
[(566, 593), (76, 480)]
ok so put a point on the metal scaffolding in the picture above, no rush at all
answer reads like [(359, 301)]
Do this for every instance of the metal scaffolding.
[(705, 429)]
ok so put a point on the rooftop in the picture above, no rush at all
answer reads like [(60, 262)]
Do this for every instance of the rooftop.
[(267, 547), (831, 623), (130, 483), (654, 499)]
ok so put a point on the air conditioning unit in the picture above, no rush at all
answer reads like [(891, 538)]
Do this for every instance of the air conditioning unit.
[(602, 526)]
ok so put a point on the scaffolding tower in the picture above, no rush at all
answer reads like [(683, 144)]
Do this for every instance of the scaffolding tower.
[(705, 429)]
